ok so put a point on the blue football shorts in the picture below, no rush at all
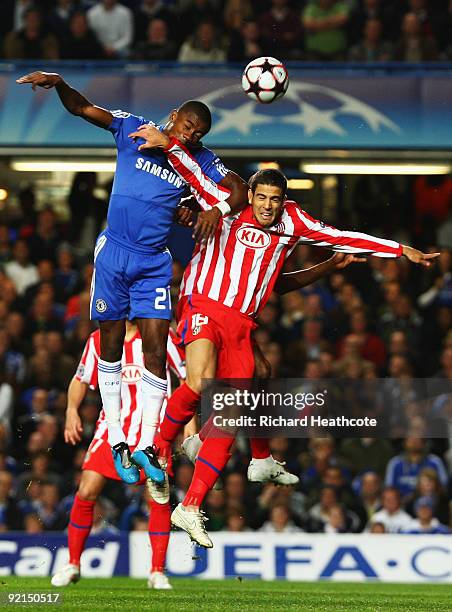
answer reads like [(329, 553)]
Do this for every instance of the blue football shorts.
[(129, 284)]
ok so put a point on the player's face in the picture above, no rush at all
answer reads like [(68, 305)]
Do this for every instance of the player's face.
[(267, 201), (187, 127)]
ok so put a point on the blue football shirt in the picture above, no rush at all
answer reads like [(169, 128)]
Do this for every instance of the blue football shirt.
[(146, 189)]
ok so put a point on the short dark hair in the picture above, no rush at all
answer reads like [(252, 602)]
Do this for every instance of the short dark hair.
[(269, 177), (199, 109)]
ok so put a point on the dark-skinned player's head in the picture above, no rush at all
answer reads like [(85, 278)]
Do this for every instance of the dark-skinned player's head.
[(266, 195), (190, 122)]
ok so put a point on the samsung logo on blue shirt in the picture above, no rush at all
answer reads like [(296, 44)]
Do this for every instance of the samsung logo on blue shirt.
[(163, 173)]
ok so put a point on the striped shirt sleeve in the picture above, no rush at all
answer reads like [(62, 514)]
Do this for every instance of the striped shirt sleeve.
[(87, 368), (205, 190), (311, 231)]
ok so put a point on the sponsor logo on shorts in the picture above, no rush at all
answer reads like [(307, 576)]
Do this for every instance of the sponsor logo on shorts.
[(101, 305), (252, 237), (197, 321)]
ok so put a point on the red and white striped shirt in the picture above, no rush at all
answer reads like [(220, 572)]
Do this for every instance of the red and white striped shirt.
[(132, 366), (240, 265)]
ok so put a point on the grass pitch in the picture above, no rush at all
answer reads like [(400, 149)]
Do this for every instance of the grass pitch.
[(198, 595)]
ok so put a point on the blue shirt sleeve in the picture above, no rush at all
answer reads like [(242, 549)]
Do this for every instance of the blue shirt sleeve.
[(211, 165), (122, 125)]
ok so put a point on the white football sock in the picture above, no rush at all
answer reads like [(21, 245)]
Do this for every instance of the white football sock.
[(154, 392), (109, 375)]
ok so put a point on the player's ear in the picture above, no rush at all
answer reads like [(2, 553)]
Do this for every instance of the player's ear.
[(173, 115), (250, 196)]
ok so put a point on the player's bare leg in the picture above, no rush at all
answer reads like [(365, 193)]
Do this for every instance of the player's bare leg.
[(154, 334), (112, 334), (80, 523)]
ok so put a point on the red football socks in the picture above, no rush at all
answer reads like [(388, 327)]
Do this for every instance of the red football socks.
[(260, 448), (181, 407), (212, 457), (159, 532), (80, 523)]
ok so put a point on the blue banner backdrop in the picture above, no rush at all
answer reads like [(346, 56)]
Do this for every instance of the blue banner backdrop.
[(343, 108)]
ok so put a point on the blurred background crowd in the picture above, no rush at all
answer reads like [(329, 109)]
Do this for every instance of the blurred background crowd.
[(216, 31), (385, 318)]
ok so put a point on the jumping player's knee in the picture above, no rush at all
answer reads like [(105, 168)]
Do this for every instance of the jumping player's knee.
[(87, 493)]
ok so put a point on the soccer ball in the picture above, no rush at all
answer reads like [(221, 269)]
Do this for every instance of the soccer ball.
[(265, 80)]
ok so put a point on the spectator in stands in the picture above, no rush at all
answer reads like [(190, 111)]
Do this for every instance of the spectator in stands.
[(48, 512), (5, 244), (371, 347), (203, 46), (363, 454), (432, 201), (245, 44), (280, 521), (235, 521), (80, 42), (392, 516), (370, 493), (387, 14), (113, 25), (182, 479), (31, 42), (336, 520), (88, 212), (414, 44), (59, 17), (66, 275), (10, 517), (236, 13), (371, 47), (425, 522), (429, 485), (377, 528), (325, 22), (6, 410), (215, 509), (403, 470), (103, 511), (33, 524), (147, 11), (280, 31), (194, 12), (12, 362), (157, 45), (45, 240), (21, 272)]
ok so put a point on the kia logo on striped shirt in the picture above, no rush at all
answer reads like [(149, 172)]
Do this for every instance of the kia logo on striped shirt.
[(131, 374), (252, 237)]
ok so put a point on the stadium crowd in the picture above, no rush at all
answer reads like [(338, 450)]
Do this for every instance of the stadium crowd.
[(393, 320), (216, 31)]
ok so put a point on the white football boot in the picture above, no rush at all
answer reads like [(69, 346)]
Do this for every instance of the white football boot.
[(193, 524), (270, 470), (159, 580), (159, 491), (67, 575)]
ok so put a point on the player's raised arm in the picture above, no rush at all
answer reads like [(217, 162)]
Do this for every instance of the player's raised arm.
[(72, 100), (315, 232), (290, 281)]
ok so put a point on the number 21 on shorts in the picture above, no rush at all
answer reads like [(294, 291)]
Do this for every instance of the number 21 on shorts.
[(163, 298)]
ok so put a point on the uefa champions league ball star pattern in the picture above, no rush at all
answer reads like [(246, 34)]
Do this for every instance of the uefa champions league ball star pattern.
[(265, 80)]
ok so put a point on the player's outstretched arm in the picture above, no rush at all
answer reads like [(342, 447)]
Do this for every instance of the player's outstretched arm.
[(72, 100), (73, 425), (418, 257), (290, 281)]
